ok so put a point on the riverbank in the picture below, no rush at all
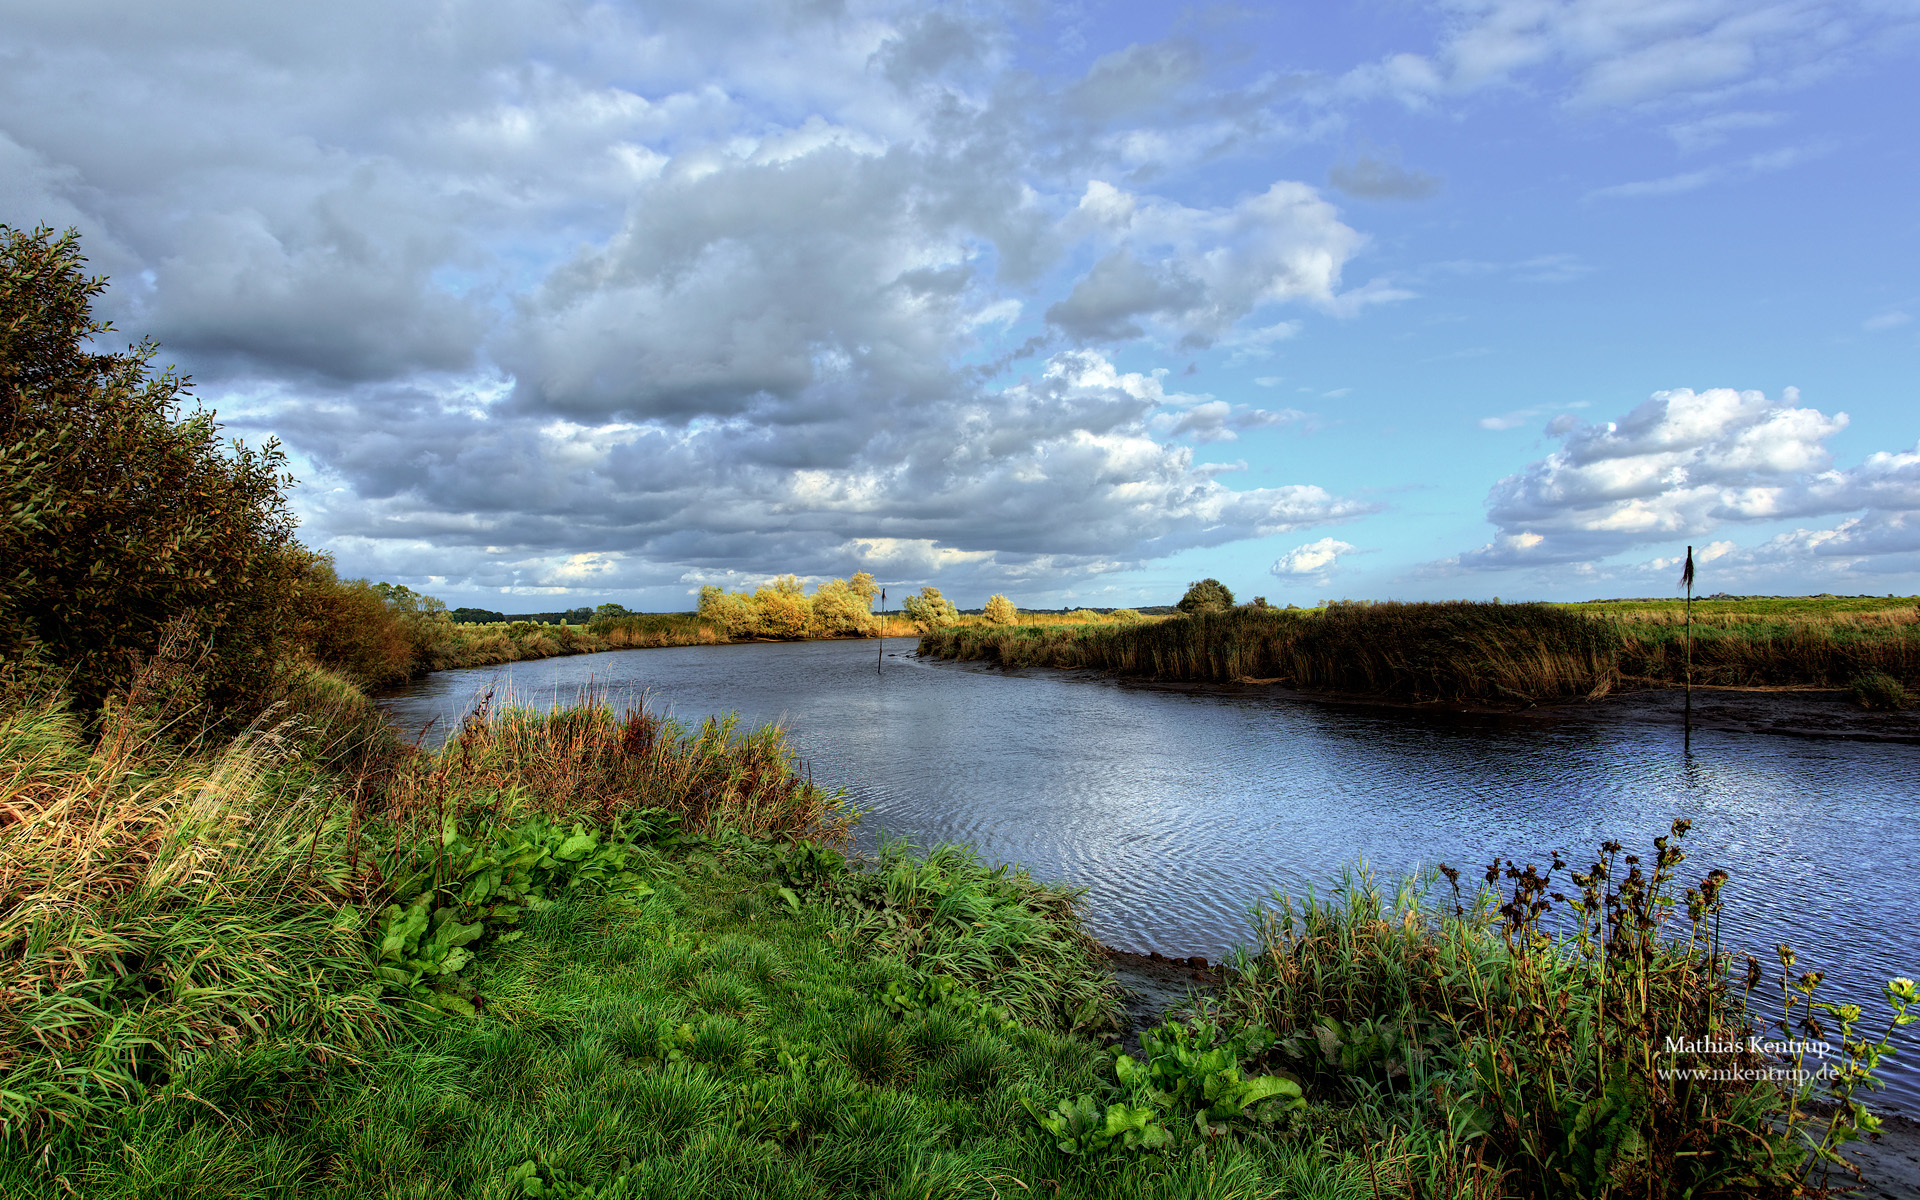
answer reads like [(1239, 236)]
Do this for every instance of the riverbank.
[(587, 953), (1488, 654), (499, 643)]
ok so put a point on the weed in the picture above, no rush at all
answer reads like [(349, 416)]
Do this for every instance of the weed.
[(1877, 689)]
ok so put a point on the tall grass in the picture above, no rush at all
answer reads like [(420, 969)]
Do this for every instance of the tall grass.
[(1417, 651), (155, 903), (1749, 644), (1610, 1051), (1466, 651), (162, 897), (589, 762)]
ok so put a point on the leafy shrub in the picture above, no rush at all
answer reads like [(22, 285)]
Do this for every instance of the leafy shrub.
[(120, 514), (449, 896), (1610, 1056), (1208, 595), (1000, 611), (929, 609)]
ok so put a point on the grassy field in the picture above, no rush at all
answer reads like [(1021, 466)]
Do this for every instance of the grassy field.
[(1494, 652)]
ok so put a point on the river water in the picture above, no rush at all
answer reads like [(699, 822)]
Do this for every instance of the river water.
[(1179, 810)]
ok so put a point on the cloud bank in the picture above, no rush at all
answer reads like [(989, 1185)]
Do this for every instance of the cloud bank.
[(552, 295), (1686, 465)]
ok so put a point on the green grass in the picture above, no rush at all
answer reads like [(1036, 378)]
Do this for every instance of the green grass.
[(711, 1039)]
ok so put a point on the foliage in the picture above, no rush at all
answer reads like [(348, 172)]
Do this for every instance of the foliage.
[(1206, 596), (117, 515), (782, 609), (593, 762), (993, 929), (481, 884), (1606, 1055), (1463, 651), (929, 609), (1458, 651), (1000, 611)]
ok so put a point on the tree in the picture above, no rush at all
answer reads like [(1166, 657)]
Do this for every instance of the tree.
[(1000, 611), (841, 610), (1208, 595), (732, 611), (610, 612), (929, 609), (784, 611), (119, 512)]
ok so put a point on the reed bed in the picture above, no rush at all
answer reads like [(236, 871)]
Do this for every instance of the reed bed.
[(1749, 644), (1465, 651), (1417, 651), (589, 762)]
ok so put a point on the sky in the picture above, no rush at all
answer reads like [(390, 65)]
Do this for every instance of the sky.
[(554, 304)]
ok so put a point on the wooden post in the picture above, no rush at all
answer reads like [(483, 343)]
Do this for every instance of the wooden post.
[(880, 659), (1686, 581)]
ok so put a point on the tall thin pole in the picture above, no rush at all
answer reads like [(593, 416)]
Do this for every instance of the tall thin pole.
[(880, 659), (1686, 581)]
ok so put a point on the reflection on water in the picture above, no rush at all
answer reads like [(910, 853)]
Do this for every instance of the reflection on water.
[(1177, 811)]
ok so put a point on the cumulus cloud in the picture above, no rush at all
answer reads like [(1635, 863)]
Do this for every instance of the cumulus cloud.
[(1687, 464), (1195, 273), (1314, 558), (1048, 478), (559, 297)]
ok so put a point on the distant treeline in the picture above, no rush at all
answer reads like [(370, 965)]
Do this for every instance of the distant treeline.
[(1464, 651)]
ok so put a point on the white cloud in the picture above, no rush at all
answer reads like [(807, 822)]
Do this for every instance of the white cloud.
[(1195, 273), (551, 295), (1683, 466), (1704, 133), (1891, 319), (1688, 181), (1632, 52), (1314, 558)]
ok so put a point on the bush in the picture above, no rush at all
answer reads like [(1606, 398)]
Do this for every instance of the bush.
[(1208, 595), (1000, 611), (929, 609), (120, 513)]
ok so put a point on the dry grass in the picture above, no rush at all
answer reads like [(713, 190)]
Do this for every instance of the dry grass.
[(1416, 651), (589, 762)]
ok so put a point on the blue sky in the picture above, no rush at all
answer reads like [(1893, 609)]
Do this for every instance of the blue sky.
[(556, 303)]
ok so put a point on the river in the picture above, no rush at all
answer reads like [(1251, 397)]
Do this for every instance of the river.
[(1178, 810)]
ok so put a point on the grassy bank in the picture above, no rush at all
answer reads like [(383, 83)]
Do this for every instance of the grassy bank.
[(1488, 652), (589, 954)]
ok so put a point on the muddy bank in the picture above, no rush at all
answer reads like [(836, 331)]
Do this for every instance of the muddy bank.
[(1151, 984), (1792, 712)]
